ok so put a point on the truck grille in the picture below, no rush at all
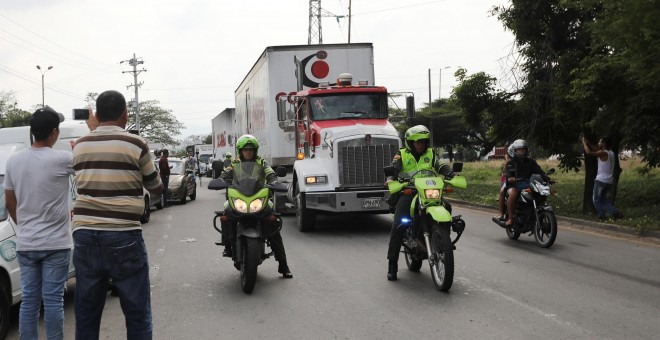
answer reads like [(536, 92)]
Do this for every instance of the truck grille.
[(361, 164)]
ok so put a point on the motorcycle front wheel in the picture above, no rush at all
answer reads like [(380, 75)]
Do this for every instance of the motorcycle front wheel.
[(442, 268), (545, 232), (249, 265)]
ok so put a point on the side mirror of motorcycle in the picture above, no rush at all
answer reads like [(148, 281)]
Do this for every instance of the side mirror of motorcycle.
[(389, 170), (280, 171), (550, 172), (218, 184), (277, 187), (457, 167)]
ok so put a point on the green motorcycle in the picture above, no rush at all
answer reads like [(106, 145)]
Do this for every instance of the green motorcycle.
[(249, 211), (428, 234)]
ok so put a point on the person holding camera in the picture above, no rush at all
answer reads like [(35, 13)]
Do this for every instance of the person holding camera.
[(107, 234)]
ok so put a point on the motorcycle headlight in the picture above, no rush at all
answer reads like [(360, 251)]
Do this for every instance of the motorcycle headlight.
[(256, 205), (240, 206), (432, 193)]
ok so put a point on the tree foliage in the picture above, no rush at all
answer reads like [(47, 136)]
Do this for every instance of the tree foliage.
[(157, 125), (10, 115)]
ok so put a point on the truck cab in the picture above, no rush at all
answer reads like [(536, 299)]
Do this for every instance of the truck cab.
[(343, 140)]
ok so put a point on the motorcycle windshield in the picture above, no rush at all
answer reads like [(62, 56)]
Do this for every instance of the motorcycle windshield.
[(249, 178)]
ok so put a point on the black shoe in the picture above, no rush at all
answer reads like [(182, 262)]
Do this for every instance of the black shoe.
[(617, 215), (602, 218), (284, 270), (226, 252), (391, 270)]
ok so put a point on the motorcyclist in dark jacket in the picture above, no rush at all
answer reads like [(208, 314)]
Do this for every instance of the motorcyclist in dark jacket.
[(247, 147), (520, 167), (417, 155)]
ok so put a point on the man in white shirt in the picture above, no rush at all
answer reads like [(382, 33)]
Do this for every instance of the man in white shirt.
[(604, 177)]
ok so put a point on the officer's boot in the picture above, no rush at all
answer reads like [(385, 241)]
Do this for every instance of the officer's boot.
[(392, 268), (283, 269)]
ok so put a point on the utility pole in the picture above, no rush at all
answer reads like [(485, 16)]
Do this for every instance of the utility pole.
[(315, 30), (135, 62), (43, 92)]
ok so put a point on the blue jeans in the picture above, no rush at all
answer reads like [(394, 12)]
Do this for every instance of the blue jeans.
[(121, 256), (601, 199), (43, 276)]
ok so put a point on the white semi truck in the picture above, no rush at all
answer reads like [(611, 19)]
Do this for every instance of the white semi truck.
[(333, 131)]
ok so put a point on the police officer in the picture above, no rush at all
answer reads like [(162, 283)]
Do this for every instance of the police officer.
[(417, 155), (247, 147)]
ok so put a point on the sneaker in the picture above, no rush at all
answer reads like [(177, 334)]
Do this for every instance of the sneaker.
[(617, 215), (602, 218)]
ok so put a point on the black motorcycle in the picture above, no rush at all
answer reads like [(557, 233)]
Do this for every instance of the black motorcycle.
[(533, 214), (242, 221)]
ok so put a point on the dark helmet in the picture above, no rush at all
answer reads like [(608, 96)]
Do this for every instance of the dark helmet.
[(415, 134), (247, 142), (522, 145)]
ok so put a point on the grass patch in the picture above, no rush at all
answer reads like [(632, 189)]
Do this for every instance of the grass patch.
[(637, 197)]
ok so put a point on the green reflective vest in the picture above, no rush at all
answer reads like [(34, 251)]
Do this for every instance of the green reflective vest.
[(410, 165)]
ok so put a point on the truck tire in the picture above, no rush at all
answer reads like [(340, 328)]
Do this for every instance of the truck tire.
[(305, 218)]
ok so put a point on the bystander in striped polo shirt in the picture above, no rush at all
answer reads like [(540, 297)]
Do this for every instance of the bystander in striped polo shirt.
[(111, 167)]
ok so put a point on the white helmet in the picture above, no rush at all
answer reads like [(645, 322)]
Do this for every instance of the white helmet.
[(520, 144)]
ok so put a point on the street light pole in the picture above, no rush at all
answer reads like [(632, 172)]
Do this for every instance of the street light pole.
[(42, 83)]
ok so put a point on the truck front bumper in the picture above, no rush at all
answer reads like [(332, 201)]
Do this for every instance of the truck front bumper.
[(348, 201)]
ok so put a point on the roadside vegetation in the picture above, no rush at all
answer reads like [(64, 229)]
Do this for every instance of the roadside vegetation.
[(637, 196)]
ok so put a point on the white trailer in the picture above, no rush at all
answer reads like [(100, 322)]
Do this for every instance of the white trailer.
[(275, 71)]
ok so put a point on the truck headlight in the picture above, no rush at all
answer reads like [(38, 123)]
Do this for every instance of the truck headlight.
[(256, 205), (240, 206), (316, 179), (432, 193)]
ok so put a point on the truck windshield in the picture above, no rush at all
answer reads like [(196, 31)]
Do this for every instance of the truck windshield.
[(349, 106)]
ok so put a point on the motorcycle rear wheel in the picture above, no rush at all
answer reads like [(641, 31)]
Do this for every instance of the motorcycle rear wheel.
[(413, 265), (249, 264), (545, 232), (442, 271)]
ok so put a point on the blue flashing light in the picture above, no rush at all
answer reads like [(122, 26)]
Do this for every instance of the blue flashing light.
[(405, 220)]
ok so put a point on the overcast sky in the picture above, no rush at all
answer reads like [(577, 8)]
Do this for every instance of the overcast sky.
[(196, 52)]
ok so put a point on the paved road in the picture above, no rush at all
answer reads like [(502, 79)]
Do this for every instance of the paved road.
[(586, 286)]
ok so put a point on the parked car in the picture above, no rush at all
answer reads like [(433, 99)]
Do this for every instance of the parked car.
[(150, 201), (182, 182)]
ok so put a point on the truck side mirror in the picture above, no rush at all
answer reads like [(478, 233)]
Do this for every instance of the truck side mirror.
[(410, 106), (457, 167)]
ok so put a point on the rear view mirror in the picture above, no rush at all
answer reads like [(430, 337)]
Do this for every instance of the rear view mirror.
[(457, 167), (410, 106), (281, 109)]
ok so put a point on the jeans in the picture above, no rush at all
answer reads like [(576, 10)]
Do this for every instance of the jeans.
[(43, 276), (601, 199), (121, 256)]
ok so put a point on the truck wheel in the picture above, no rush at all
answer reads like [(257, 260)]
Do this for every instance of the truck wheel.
[(305, 218)]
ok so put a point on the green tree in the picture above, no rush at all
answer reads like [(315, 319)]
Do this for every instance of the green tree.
[(208, 139), (10, 115), (590, 68), (157, 125)]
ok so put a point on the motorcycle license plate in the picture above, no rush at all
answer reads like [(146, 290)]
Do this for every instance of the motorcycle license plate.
[(370, 203)]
